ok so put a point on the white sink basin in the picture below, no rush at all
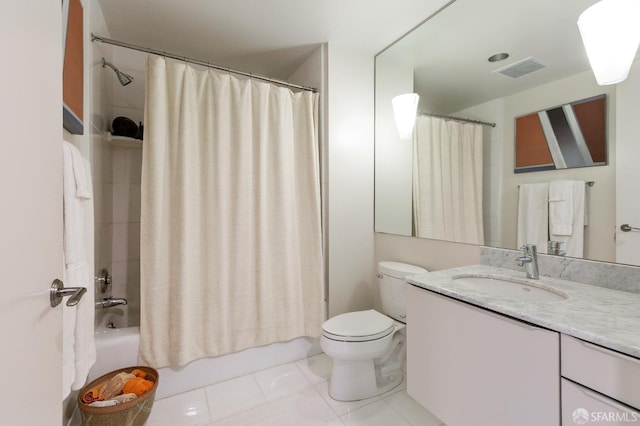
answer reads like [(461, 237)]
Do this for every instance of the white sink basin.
[(510, 287)]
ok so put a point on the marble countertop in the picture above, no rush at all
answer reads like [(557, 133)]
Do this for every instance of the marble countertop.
[(607, 317)]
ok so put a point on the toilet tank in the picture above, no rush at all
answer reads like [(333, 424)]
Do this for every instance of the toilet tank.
[(392, 278)]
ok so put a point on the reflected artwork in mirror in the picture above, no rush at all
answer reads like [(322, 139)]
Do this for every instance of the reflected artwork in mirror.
[(446, 62), (565, 136)]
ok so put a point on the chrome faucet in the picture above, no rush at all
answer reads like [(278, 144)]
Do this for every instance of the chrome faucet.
[(109, 302), (529, 260)]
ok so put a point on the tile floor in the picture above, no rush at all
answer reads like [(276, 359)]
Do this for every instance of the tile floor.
[(295, 394)]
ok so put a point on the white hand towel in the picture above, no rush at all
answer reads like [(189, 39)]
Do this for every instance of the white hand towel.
[(561, 207), (75, 238), (81, 174), (533, 215), (574, 242), (78, 334)]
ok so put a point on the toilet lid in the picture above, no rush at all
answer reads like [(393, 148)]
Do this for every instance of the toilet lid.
[(358, 326)]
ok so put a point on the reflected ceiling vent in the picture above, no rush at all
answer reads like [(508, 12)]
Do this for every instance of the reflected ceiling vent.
[(520, 68)]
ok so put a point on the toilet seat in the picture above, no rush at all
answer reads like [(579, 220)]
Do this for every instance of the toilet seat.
[(360, 326)]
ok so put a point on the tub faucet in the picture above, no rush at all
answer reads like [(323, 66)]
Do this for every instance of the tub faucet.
[(529, 260), (109, 302)]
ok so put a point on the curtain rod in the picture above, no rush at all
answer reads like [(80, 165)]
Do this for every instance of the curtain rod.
[(466, 120), (197, 62)]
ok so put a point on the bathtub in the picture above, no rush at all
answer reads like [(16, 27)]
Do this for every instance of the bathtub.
[(118, 347)]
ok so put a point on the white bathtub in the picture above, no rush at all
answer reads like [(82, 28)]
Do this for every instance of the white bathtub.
[(118, 348)]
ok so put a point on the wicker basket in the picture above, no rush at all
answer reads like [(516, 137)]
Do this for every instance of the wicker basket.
[(132, 413)]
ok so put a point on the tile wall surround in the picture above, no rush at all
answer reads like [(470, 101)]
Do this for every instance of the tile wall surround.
[(603, 274), (101, 100), (117, 177), (125, 193)]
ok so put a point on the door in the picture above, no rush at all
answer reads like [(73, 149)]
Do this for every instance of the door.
[(627, 171), (30, 211)]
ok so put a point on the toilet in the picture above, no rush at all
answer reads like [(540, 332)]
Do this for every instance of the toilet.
[(368, 347)]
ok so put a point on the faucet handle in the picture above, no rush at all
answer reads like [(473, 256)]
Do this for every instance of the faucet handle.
[(105, 280)]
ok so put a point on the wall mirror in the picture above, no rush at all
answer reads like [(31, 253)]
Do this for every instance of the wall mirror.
[(445, 61)]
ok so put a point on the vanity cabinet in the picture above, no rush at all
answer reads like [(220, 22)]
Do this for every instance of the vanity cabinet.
[(471, 367), (599, 383), (581, 405)]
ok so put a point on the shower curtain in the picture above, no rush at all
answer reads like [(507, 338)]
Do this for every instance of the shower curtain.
[(447, 180), (231, 240)]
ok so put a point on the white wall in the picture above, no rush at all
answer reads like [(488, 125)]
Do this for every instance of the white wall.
[(430, 254), (627, 171), (350, 123), (313, 73)]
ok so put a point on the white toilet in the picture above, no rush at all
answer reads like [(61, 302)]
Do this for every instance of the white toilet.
[(367, 347)]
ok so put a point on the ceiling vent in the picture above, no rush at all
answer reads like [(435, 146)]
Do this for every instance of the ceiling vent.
[(520, 68)]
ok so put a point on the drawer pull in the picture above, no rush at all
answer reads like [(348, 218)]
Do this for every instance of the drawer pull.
[(607, 401), (610, 352), (519, 323)]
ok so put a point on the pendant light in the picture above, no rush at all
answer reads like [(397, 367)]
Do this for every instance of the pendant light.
[(610, 31), (404, 110)]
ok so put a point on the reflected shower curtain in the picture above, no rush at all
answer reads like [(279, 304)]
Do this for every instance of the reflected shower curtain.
[(447, 180), (231, 243)]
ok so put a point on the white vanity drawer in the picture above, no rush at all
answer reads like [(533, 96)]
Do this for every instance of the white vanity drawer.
[(601, 369), (584, 406)]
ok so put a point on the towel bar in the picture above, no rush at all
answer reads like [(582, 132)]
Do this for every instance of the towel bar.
[(588, 183)]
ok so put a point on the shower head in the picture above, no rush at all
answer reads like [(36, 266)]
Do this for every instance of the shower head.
[(123, 78)]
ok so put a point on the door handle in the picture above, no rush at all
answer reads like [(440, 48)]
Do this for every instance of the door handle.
[(625, 227), (58, 291)]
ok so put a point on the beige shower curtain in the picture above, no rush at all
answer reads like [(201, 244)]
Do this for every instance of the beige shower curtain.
[(231, 244), (447, 180)]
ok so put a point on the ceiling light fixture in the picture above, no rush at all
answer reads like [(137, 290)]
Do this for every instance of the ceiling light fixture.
[(404, 109), (610, 31), (498, 57)]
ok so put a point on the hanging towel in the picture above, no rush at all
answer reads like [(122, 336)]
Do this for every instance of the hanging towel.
[(561, 207), (533, 215), (78, 349), (574, 241)]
